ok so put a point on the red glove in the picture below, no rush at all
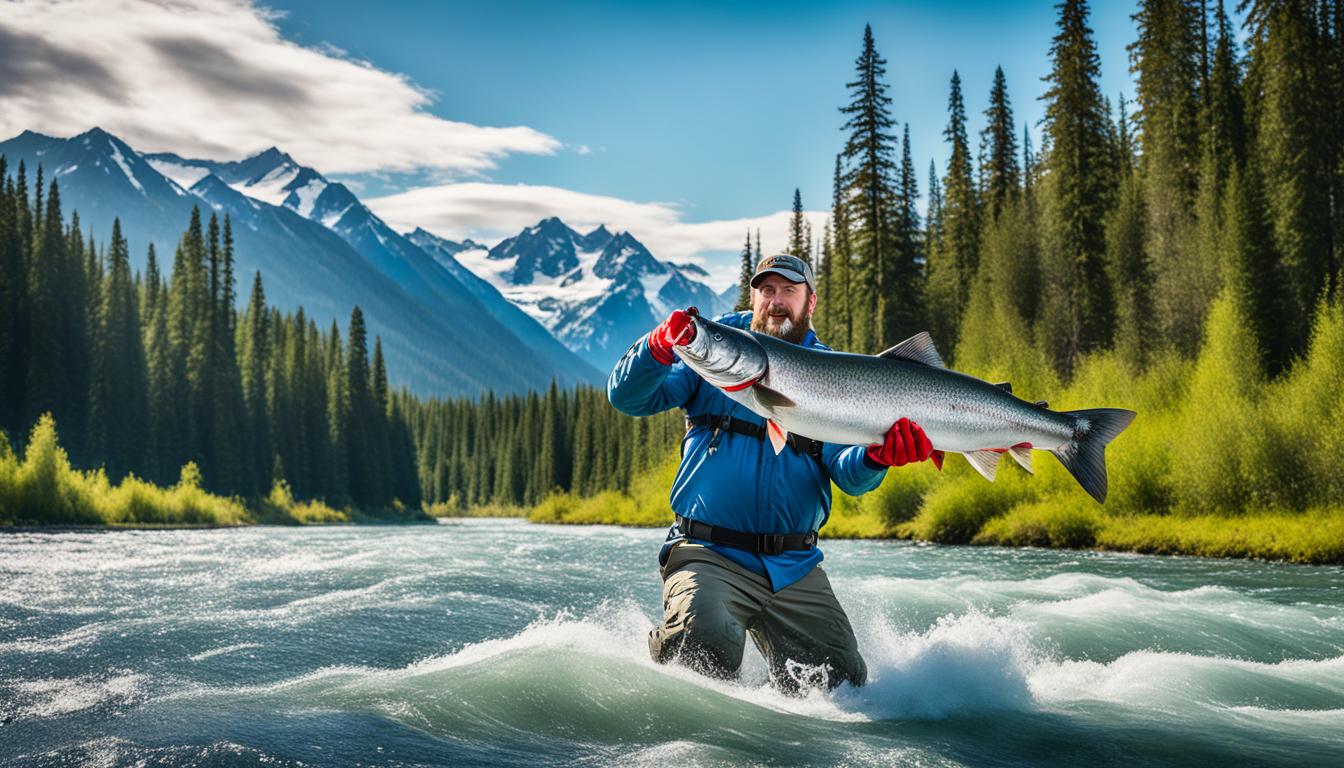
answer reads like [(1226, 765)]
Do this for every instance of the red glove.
[(905, 443), (676, 329)]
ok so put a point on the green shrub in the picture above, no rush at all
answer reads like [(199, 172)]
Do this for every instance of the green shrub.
[(1053, 523)]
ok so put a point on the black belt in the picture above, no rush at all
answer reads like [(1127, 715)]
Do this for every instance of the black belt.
[(804, 445), (760, 543)]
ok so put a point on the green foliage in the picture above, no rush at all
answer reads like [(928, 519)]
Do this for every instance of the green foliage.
[(44, 489), (1314, 536), (1044, 524)]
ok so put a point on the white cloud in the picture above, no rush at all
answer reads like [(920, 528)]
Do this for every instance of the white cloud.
[(490, 212), (214, 78)]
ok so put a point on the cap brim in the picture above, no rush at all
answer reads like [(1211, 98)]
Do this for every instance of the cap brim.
[(787, 274)]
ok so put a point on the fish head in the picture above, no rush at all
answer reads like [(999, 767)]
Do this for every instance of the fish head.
[(726, 357)]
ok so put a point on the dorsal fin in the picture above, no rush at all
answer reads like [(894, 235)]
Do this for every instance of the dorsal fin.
[(918, 348), (1005, 386)]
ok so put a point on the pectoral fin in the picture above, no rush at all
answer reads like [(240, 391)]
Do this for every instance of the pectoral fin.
[(772, 398), (779, 437)]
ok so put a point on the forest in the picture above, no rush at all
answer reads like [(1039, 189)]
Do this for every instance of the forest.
[(1179, 255)]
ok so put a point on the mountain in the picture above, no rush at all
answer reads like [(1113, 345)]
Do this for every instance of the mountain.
[(431, 275), (439, 339), (596, 292)]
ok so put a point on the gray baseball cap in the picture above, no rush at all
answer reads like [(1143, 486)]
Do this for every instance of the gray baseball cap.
[(787, 266)]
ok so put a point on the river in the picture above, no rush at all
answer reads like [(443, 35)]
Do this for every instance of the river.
[(496, 642)]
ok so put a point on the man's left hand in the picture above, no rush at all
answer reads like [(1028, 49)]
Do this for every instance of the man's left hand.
[(905, 443)]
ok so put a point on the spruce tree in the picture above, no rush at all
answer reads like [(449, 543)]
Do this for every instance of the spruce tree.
[(744, 277), (1078, 308), (1001, 172), (1167, 60), (120, 407), (871, 183), (953, 265), (798, 239), (840, 319), (1292, 138)]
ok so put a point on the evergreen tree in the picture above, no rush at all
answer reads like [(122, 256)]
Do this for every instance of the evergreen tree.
[(953, 265), (1292, 138), (907, 308), (120, 407), (1077, 311), (744, 277), (1131, 273), (1167, 60), (1001, 172), (868, 152), (255, 352), (799, 241), (840, 331)]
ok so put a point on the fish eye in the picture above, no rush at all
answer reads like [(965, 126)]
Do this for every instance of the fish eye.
[(718, 337)]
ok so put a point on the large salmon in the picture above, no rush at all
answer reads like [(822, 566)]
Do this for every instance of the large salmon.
[(845, 398)]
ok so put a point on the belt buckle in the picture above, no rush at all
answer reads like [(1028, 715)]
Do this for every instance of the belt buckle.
[(772, 543)]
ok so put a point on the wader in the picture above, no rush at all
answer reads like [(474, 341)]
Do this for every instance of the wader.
[(710, 603)]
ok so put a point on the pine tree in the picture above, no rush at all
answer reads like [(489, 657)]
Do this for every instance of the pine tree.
[(868, 152), (953, 265), (840, 333), (744, 277), (799, 244), (1167, 60), (119, 407), (1078, 309), (1001, 172), (907, 309), (1285, 77), (255, 353)]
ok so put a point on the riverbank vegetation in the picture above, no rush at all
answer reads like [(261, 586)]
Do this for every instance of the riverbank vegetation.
[(40, 487)]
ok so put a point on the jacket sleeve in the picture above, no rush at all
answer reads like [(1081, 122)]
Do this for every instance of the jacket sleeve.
[(850, 471), (639, 385)]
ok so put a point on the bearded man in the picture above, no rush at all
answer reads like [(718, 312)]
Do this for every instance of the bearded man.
[(742, 557)]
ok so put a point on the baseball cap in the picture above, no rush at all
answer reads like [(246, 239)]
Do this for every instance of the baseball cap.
[(787, 266)]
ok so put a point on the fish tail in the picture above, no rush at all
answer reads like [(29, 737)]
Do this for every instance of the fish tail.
[(1085, 455)]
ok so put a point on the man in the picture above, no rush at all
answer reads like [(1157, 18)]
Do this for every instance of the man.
[(742, 556)]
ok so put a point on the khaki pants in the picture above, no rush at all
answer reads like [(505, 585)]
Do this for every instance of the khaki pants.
[(710, 603)]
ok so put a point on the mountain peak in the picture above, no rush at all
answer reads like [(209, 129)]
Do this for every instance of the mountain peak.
[(270, 155)]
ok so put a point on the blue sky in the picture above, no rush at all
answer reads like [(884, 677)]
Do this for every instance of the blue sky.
[(720, 108), (686, 124)]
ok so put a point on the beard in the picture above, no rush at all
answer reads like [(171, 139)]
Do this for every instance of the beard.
[(792, 329)]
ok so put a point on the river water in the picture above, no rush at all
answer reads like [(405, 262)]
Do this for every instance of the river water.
[(496, 642)]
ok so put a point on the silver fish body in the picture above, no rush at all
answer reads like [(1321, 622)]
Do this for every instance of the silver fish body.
[(852, 399)]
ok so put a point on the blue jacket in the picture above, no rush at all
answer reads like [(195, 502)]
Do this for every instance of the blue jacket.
[(744, 485)]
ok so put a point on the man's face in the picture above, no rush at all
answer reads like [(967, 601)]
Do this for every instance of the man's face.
[(782, 308)]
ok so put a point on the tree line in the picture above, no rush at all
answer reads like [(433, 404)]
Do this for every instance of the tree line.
[(147, 372), (517, 449), (1225, 175)]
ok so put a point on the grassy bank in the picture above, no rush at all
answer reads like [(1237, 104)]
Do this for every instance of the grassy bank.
[(41, 488), (1222, 461)]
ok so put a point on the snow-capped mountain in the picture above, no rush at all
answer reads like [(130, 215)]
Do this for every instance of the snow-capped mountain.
[(596, 292), (436, 279), (439, 338)]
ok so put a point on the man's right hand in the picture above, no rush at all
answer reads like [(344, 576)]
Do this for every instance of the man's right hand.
[(678, 328)]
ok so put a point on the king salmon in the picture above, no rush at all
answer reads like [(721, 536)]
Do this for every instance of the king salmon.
[(853, 399)]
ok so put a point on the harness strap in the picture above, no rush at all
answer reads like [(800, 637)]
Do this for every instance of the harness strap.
[(759, 543), (804, 445)]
